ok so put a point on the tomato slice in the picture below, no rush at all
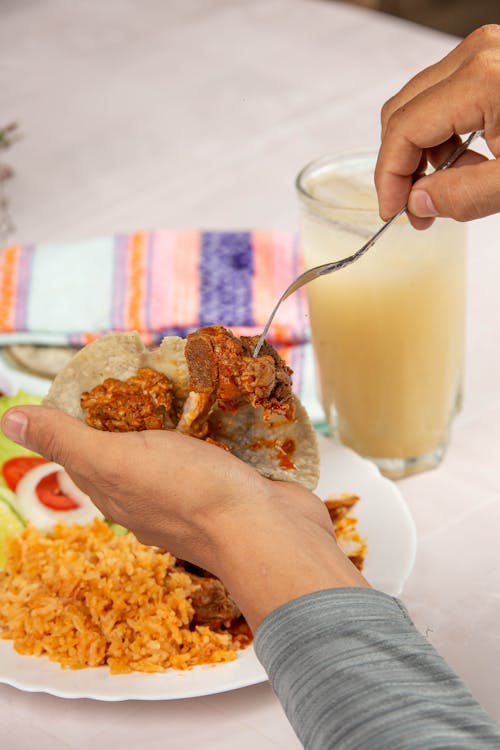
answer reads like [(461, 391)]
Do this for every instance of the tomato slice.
[(50, 494), (48, 491), (15, 468)]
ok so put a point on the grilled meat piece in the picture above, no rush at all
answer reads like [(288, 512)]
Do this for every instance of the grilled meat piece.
[(280, 397), (358, 561), (143, 402), (221, 366), (212, 604)]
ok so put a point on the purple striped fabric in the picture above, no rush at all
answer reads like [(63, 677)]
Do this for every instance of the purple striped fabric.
[(226, 269)]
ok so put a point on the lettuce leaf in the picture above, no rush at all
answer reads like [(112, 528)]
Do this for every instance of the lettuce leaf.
[(116, 528), (8, 449), (10, 524), (8, 498)]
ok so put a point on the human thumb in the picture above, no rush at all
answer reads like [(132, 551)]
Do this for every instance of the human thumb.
[(47, 431), (465, 193)]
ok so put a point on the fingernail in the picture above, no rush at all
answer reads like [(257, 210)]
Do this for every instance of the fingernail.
[(420, 204), (14, 426)]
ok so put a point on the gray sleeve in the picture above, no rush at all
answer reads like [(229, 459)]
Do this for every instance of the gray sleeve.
[(353, 673)]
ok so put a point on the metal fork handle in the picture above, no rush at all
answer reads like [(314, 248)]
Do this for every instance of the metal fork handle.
[(337, 265)]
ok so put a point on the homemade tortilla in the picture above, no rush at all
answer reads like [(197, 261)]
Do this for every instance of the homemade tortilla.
[(44, 361)]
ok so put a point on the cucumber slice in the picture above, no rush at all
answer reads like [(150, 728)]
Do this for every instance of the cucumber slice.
[(117, 529), (10, 524)]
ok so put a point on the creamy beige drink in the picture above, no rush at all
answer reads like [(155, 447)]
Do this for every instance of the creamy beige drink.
[(388, 331)]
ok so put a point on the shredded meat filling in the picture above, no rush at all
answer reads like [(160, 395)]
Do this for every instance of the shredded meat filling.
[(143, 402)]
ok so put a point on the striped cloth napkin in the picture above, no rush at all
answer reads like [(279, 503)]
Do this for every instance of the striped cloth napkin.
[(159, 283)]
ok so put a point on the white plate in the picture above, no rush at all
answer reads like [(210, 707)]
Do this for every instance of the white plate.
[(383, 516), (384, 520)]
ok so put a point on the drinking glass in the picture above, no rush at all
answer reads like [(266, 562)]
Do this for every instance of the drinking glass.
[(388, 331)]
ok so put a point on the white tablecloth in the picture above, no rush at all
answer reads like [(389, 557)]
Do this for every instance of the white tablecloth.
[(199, 113)]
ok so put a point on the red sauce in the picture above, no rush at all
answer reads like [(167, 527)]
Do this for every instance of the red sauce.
[(285, 453), (284, 450)]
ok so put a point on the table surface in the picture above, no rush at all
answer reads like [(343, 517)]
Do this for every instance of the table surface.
[(199, 113)]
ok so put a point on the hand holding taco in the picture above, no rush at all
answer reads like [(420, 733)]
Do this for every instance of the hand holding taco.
[(208, 386)]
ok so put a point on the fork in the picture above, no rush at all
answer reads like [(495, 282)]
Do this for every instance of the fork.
[(337, 265)]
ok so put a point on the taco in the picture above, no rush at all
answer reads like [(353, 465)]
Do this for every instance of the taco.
[(209, 386)]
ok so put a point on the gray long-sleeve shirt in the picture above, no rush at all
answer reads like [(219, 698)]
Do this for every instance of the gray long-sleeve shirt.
[(353, 673)]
